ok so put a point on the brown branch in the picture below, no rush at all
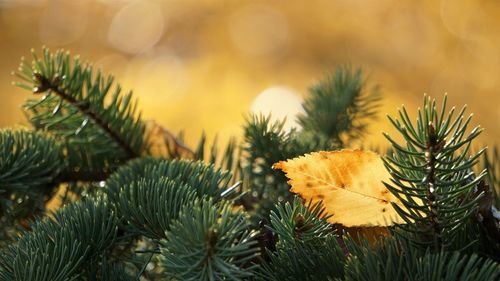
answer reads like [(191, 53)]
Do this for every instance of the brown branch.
[(432, 148), (87, 176)]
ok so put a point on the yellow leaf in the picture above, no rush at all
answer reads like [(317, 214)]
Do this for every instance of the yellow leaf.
[(349, 182), (162, 143)]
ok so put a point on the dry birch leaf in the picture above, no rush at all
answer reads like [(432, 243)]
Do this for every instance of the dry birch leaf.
[(350, 184), (162, 143)]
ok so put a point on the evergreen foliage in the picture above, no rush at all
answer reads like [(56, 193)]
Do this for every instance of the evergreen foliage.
[(227, 215), (149, 206), (338, 106), (336, 113), (307, 248), (205, 179), (21, 148), (266, 142), (298, 223), (432, 174), (323, 261), (62, 247), (30, 162), (98, 126), (395, 260), (209, 242)]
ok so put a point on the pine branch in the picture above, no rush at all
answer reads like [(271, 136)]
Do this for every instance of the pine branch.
[(30, 163), (44, 84), (99, 130), (307, 248), (339, 106), (58, 248), (393, 259), (28, 160), (265, 143), (221, 238), (430, 179), (307, 262), (298, 223), (432, 174), (205, 179), (150, 205)]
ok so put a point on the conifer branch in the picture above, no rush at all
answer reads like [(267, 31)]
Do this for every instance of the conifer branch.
[(339, 106), (431, 150), (44, 84), (97, 125), (432, 175)]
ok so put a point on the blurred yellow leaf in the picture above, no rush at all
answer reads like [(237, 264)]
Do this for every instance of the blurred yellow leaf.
[(162, 143), (349, 182)]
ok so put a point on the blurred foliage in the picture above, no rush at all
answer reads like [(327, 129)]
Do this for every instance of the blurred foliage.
[(213, 58)]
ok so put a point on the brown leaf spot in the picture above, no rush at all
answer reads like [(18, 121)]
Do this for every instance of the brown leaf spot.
[(340, 183), (301, 167)]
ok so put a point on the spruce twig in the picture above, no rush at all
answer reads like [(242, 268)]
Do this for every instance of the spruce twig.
[(53, 85), (431, 150)]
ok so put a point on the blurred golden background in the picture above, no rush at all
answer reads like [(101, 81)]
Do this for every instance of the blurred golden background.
[(202, 65)]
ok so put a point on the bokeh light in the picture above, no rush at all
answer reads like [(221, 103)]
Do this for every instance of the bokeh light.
[(259, 30), (63, 22), (136, 27), (279, 102), (203, 65), (162, 78)]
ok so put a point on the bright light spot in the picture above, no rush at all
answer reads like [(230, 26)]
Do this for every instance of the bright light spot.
[(63, 22), (161, 78), (166, 72), (136, 27), (259, 30), (280, 102)]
